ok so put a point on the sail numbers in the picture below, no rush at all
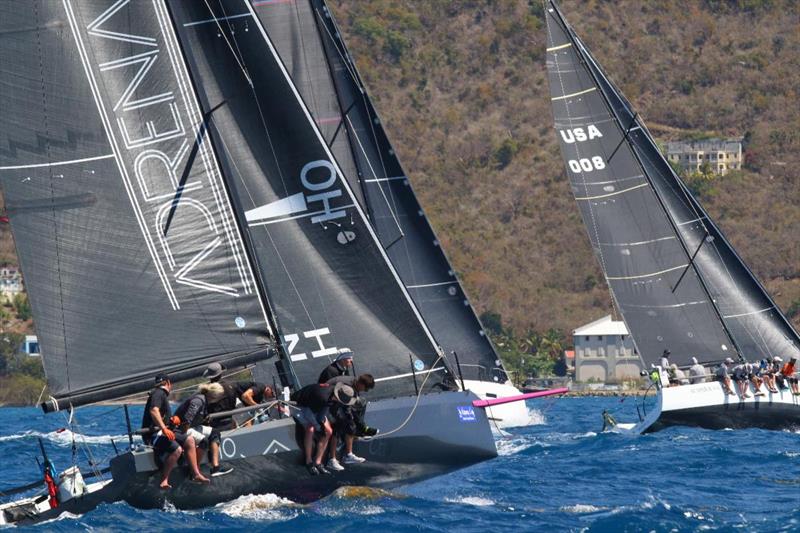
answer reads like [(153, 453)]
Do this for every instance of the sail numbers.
[(586, 165), (579, 134)]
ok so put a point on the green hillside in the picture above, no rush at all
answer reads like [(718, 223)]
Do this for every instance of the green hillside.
[(462, 89)]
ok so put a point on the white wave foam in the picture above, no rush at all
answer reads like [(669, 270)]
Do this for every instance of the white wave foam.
[(477, 501), (581, 508), (259, 507), (64, 437), (536, 418), (512, 446)]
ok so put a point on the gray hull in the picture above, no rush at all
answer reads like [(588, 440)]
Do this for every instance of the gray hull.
[(444, 434)]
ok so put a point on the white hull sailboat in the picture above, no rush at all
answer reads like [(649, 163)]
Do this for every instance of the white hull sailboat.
[(675, 279)]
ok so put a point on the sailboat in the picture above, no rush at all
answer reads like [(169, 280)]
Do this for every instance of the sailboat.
[(676, 280), (309, 42), (174, 203)]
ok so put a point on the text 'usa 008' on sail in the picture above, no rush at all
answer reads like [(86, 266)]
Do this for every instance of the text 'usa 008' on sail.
[(675, 279), (174, 203)]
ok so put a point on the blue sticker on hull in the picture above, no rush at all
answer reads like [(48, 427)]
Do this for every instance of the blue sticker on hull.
[(466, 413)]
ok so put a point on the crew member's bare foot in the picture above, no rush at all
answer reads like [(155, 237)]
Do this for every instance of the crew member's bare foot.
[(200, 478), (165, 485)]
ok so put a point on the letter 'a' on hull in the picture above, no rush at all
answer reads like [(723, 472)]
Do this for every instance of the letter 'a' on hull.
[(675, 279)]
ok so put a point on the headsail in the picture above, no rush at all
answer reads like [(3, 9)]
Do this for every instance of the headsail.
[(131, 255), (327, 278), (310, 44), (676, 280)]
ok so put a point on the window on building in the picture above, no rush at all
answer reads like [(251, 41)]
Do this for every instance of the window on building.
[(586, 338), (599, 337), (722, 156)]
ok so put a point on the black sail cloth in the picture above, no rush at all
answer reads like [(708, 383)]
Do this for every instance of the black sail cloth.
[(311, 46), (676, 280), (326, 277), (131, 256)]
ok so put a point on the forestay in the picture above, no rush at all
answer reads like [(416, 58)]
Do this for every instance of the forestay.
[(328, 281), (131, 254), (676, 280), (311, 46)]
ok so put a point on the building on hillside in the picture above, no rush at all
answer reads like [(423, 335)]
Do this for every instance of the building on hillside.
[(722, 155), (604, 352), (30, 346), (10, 282)]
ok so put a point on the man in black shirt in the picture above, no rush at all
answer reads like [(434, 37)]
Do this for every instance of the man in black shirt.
[(167, 445), (348, 421), (314, 401), (340, 367)]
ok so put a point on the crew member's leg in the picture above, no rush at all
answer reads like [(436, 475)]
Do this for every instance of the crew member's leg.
[(191, 457)]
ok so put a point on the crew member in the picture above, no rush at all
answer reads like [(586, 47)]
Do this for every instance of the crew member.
[(340, 366), (315, 402), (697, 374), (167, 446), (723, 376), (348, 421), (190, 417), (665, 360), (213, 372)]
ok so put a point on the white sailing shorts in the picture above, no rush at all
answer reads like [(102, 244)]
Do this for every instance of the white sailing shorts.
[(199, 434)]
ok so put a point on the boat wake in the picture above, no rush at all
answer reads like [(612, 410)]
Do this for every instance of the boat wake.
[(581, 508), (536, 418), (477, 501), (64, 437), (260, 507)]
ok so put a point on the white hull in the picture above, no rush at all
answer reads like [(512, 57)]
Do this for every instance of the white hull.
[(706, 405), (508, 415)]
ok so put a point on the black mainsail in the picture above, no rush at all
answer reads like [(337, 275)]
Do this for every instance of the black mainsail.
[(674, 277), (311, 46), (131, 253), (327, 278)]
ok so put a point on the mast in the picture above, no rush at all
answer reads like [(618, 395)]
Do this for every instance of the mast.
[(397, 217), (346, 184), (251, 260), (689, 255), (324, 273)]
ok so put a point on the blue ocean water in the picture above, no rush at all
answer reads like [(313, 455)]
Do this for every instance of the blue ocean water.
[(561, 474)]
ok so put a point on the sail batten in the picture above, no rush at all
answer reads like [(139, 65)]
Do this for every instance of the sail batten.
[(730, 311)]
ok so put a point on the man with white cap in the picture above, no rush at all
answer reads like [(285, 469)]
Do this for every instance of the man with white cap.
[(723, 376), (697, 373), (340, 366)]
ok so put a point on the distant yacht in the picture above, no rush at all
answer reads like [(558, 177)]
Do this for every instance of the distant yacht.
[(675, 279)]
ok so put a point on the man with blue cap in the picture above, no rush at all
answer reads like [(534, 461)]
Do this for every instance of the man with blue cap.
[(340, 367)]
